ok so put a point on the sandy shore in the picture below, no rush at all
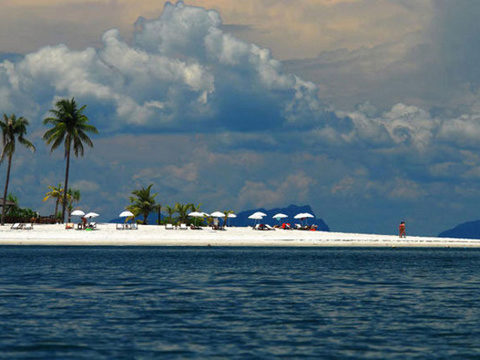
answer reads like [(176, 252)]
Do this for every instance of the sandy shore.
[(107, 235)]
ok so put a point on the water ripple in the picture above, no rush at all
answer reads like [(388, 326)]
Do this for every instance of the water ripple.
[(237, 303)]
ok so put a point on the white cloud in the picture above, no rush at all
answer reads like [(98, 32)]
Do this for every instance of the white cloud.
[(181, 70)]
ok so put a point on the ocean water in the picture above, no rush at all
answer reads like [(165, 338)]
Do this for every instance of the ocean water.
[(239, 303)]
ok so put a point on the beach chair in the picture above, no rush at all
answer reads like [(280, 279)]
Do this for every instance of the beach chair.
[(168, 227), (93, 225), (28, 226), (183, 227), (134, 226), (69, 226), (16, 226), (268, 227), (119, 227)]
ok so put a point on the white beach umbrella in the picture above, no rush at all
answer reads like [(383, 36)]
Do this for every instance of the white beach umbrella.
[(300, 216), (231, 216), (308, 215), (217, 214), (205, 214), (259, 213), (91, 215), (77, 213), (196, 214), (126, 213), (279, 216), (255, 217)]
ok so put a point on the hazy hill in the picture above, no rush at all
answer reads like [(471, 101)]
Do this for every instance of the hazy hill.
[(468, 230)]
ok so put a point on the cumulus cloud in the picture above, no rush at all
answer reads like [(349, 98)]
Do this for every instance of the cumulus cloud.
[(181, 72)]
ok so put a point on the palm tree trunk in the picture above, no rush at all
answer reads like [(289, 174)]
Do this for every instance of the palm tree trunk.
[(56, 207), (65, 189), (159, 214), (6, 189), (145, 216)]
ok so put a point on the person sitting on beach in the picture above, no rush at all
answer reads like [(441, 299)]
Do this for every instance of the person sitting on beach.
[(402, 230), (84, 222)]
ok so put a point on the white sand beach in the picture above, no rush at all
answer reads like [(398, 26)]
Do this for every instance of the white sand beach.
[(151, 235)]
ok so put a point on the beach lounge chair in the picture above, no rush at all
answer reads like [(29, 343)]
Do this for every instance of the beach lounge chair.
[(16, 226), (28, 226), (93, 225), (268, 227), (183, 227), (168, 226), (134, 226), (119, 227)]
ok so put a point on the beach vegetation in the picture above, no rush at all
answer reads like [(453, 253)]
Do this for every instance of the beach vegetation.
[(170, 211), (70, 127), (17, 214), (55, 192), (73, 196), (182, 210), (142, 202), (158, 209), (13, 129), (225, 219)]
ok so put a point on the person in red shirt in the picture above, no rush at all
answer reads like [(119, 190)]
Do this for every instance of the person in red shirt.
[(401, 230)]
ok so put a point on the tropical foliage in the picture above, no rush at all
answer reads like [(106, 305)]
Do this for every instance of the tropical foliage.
[(182, 210), (170, 211), (73, 196), (16, 212), (69, 127), (142, 202), (13, 129), (55, 192)]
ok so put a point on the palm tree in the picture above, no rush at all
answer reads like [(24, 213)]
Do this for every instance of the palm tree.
[(56, 192), (143, 202), (13, 129), (70, 127), (73, 196), (158, 209), (170, 211), (182, 210), (225, 219)]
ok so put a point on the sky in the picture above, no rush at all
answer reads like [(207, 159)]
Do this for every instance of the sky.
[(367, 110)]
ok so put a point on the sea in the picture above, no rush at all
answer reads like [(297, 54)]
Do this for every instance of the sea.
[(239, 303)]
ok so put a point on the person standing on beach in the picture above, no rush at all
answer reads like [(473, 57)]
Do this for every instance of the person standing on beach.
[(402, 229)]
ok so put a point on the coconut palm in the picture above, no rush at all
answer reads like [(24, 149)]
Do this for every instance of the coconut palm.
[(170, 211), (13, 129), (70, 127), (225, 219), (73, 196), (142, 202), (158, 209), (56, 192), (182, 210)]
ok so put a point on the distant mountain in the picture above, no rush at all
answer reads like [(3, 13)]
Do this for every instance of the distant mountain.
[(291, 210), (243, 220), (468, 230)]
